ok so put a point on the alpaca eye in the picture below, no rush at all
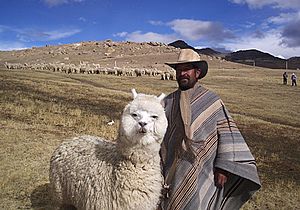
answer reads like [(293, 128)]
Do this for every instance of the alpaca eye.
[(154, 116), (134, 115)]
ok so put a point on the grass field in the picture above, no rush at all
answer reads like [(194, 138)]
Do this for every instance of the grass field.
[(38, 110)]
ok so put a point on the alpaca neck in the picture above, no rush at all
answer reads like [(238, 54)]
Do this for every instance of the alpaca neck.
[(137, 153)]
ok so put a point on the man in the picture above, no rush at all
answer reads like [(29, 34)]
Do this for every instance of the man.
[(294, 79), (206, 162), (285, 78)]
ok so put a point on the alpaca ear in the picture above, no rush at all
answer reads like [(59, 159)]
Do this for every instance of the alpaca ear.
[(134, 93), (161, 97)]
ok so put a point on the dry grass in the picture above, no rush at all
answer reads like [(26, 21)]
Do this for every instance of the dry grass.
[(40, 109)]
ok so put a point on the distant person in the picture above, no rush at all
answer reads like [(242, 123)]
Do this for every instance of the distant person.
[(205, 160), (294, 79), (285, 78)]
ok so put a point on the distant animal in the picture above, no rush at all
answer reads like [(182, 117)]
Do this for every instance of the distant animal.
[(90, 172)]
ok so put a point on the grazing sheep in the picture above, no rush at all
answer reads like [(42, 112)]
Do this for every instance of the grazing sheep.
[(92, 173)]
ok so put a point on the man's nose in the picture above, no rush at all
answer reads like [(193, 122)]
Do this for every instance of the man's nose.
[(183, 73)]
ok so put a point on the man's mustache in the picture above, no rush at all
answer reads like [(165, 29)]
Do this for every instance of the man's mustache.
[(184, 77)]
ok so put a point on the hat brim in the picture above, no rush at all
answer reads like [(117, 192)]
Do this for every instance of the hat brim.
[(200, 64)]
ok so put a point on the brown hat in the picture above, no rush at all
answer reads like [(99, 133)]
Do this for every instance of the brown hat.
[(192, 57)]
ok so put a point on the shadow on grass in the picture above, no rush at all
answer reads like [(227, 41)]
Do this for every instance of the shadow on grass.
[(40, 198)]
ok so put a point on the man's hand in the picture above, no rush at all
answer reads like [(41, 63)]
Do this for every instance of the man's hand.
[(221, 177)]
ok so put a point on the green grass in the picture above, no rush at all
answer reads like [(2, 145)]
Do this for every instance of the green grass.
[(38, 110)]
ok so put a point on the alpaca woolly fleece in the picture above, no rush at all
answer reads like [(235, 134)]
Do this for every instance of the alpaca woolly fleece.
[(89, 172)]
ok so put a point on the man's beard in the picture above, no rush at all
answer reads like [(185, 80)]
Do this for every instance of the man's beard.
[(186, 83)]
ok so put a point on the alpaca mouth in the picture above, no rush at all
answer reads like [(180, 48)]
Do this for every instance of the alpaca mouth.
[(142, 130)]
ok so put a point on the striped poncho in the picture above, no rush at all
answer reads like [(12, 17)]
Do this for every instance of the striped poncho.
[(200, 137)]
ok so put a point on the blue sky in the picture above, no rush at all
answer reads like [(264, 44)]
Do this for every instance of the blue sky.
[(271, 26)]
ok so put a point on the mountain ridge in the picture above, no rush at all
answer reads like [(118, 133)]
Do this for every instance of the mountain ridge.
[(251, 57), (140, 55)]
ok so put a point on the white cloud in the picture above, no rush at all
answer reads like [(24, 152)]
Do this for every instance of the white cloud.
[(200, 47), (60, 34), (138, 36), (187, 29), (283, 4), (280, 56), (258, 34), (283, 18), (29, 35), (156, 22), (283, 40), (120, 34), (270, 43), (4, 28), (289, 25), (291, 34), (249, 24), (32, 34), (52, 3), (197, 29), (11, 45), (82, 19), (286, 24)]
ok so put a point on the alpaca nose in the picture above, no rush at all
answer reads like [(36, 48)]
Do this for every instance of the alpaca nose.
[(142, 124)]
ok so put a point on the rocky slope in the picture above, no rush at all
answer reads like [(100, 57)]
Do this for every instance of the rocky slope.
[(107, 53)]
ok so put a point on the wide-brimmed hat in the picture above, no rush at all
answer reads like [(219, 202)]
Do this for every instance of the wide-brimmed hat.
[(192, 57)]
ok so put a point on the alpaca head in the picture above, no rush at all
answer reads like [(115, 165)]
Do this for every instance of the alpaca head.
[(143, 121)]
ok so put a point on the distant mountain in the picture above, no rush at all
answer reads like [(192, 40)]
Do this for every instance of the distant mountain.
[(206, 51), (209, 51), (250, 54), (249, 57), (181, 44), (222, 50), (294, 63), (262, 59)]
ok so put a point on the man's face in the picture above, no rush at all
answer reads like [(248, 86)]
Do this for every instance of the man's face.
[(186, 76)]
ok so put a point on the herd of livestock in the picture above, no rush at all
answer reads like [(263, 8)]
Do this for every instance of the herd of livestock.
[(87, 68)]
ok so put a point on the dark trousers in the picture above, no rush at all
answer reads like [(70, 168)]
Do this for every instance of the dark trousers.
[(284, 81)]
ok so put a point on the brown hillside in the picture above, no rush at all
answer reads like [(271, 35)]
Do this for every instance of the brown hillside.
[(107, 53)]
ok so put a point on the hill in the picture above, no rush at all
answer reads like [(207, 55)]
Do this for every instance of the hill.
[(262, 59), (150, 55), (294, 63), (205, 51), (256, 58), (211, 52), (181, 44), (251, 57), (107, 54)]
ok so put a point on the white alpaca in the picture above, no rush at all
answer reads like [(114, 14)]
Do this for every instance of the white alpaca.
[(92, 173)]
